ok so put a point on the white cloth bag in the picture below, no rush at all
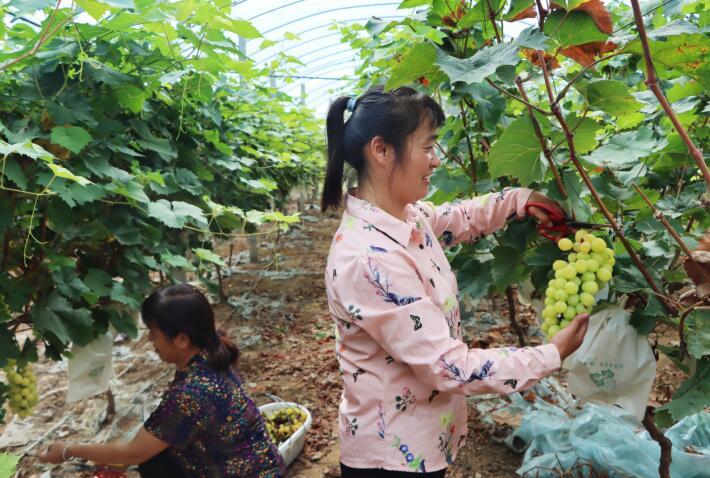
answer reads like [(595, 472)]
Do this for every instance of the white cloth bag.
[(90, 368), (614, 365)]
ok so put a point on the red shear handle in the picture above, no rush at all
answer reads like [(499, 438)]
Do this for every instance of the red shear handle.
[(559, 229)]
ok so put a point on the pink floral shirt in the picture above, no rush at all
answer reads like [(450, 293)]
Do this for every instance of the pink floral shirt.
[(406, 371)]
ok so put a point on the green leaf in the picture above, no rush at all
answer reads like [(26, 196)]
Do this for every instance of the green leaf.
[(486, 61), (56, 315), (507, 267), (94, 8), (517, 7), (476, 278), (8, 465), (131, 97), (62, 172), (176, 214), (209, 256), (417, 62), (99, 282), (697, 335), (23, 7), (517, 153), (572, 28), (29, 149), (74, 138), (693, 395), (612, 97), (14, 173), (179, 262), (121, 293), (585, 133), (414, 3), (624, 150), (686, 53)]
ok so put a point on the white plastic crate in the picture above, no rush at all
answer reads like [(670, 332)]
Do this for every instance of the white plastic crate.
[(292, 447)]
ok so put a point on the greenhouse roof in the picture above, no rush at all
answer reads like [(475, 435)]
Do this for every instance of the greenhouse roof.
[(328, 64)]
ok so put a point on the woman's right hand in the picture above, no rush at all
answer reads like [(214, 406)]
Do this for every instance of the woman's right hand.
[(570, 338)]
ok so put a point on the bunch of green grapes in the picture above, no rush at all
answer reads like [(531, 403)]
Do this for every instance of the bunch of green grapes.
[(23, 388), (283, 423), (587, 269)]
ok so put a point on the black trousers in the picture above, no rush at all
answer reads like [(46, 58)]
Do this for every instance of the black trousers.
[(347, 472), (162, 465)]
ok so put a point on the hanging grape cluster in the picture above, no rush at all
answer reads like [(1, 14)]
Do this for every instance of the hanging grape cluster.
[(23, 388), (571, 292)]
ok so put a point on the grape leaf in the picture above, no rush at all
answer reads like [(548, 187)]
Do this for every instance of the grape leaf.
[(572, 28), (74, 138), (56, 315), (417, 62), (486, 61), (517, 153), (508, 267), (520, 9), (209, 256), (693, 395), (697, 335), (611, 96), (8, 465), (176, 214), (624, 150)]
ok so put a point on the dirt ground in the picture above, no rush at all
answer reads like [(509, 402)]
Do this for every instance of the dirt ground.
[(277, 312)]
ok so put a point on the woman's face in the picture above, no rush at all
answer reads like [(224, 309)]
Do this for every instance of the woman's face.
[(164, 346), (411, 178)]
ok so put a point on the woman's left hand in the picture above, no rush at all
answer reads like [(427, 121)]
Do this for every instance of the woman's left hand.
[(539, 214), (53, 454)]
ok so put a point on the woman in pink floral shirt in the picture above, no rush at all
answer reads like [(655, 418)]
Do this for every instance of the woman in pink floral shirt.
[(406, 371)]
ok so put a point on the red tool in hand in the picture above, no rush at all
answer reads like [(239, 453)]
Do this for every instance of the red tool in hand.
[(562, 225)]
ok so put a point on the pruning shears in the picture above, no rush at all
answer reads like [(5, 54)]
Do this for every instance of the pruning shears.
[(562, 224)]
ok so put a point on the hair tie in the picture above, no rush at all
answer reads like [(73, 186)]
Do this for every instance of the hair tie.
[(351, 104)]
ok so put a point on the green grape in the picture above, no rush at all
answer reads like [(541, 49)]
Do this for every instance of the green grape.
[(549, 312), (589, 238), (575, 247), (550, 291), (577, 280), (598, 244), (585, 247), (560, 283), (552, 321), (581, 266), (571, 288), (583, 256), (597, 256), (611, 261), (549, 301), (569, 272), (558, 264), (586, 299), (579, 235), (580, 308), (545, 327), (561, 294), (564, 244), (590, 287), (604, 275), (609, 253), (573, 299), (552, 331), (572, 257), (560, 306), (559, 274), (569, 313), (588, 276), (565, 323), (592, 265)]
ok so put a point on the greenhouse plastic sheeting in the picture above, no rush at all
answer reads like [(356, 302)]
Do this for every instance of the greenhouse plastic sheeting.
[(608, 438)]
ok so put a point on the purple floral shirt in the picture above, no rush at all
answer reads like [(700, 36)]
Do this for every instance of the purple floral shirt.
[(213, 427), (405, 369)]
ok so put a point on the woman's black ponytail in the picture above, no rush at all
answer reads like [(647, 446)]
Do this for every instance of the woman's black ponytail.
[(223, 354), (335, 126)]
